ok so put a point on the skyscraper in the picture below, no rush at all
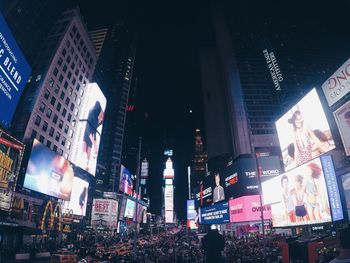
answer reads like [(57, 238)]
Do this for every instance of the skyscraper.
[(52, 100), (114, 71), (199, 164)]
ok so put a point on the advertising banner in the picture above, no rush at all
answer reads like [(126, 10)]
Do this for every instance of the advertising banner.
[(14, 73), (126, 183), (169, 217), (204, 193), (301, 196), (247, 208), (129, 209), (48, 173), (168, 172), (342, 118), (104, 214), (346, 186), (89, 128), (78, 197), (169, 197), (215, 214), (337, 85), (122, 208), (11, 153), (192, 215), (144, 169), (303, 132)]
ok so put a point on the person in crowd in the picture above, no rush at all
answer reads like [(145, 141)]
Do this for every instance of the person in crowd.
[(344, 240), (213, 243)]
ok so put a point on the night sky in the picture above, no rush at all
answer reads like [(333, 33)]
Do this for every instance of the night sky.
[(167, 65)]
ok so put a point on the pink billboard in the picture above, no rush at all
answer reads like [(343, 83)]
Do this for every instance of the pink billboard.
[(247, 208)]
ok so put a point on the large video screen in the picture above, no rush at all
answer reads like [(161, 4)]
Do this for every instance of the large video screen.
[(129, 209), (48, 173), (215, 214), (247, 208), (204, 193), (14, 73), (301, 196), (192, 215), (104, 214), (126, 183), (342, 117), (78, 197), (89, 128), (303, 132), (346, 186)]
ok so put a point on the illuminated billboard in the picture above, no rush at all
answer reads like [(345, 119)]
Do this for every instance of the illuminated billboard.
[(169, 217), (215, 214), (303, 132), (14, 73), (346, 186), (192, 215), (169, 197), (342, 118), (301, 196), (337, 85), (78, 199), (48, 173), (126, 183), (168, 172), (104, 214), (11, 152), (129, 209), (89, 128), (144, 169), (247, 208), (204, 193)]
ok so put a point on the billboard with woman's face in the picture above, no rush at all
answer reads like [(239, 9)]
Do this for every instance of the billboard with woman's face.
[(48, 173), (78, 198), (89, 128), (303, 132)]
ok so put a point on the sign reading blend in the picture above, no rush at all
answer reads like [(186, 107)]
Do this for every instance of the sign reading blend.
[(14, 73)]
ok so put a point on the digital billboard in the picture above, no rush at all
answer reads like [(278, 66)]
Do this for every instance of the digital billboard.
[(144, 169), (215, 214), (342, 118), (169, 197), (168, 172), (11, 152), (48, 173), (104, 214), (141, 211), (247, 209), (303, 132), (89, 128), (129, 209), (346, 186), (169, 217), (78, 199), (122, 207), (204, 193), (14, 73), (301, 196), (192, 215), (126, 183), (337, 85)]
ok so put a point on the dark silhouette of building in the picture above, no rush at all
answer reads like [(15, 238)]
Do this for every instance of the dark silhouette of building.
[(199, 163)]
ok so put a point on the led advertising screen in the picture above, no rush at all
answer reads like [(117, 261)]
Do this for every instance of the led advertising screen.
[(48, 173), (104, 214), (78, 198), (192, 215), (337, 85), (11, 152), (144, 169), (303, 132), (141, 210), (89, 128), (247, 209), (346, 186), (215, 214), (342, 118), (126, 183), (302, 197), (168, 172), (169, 217), (129, 209), (204, 193), (14, 73), (169, 197), (122, 208)]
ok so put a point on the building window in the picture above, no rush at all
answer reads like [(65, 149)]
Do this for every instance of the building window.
[(34, 133), (75, 96), (76, 111), (65, 85), (60, 78), (66, 156), (69, 59), (60, 124), (37, 120), (72, 106), (48, 143), (52, 131), (69, 117), (68, 145), (64, 52), (55, 148), (74, 81), (58, 106), (55, 72), (53, 100), (65, 68), (69, 75), (57, 89), (55, 118), (41, 139), (68, 43), (58, 135), (70, 91), (66, 129), (62, 95), (63, 141), (47, 94), (67, 101), (60, 61), (72, 66), (78, 101), (71, 133), (74, 122), (42, 106), (64, 112), (45, 126), (48, 113), (72, 50)]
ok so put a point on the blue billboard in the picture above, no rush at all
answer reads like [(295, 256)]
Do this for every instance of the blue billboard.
[(215, 214), (14, 73), (191, 211), (332, 188)]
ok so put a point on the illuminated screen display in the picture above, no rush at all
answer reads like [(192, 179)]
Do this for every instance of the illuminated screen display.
[(342, 117), (129, 209), (303, 132), (192, 215), (215, 214), (89, 128), (346, 186), (126, 183), (104, 214), (302, 197), (247, 208), (78, 197), (204, 193), (49, 173)]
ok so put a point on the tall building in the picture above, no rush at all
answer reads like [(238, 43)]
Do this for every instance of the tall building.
[(98, 37), (52, 100), (199, 164), (114, 72)]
